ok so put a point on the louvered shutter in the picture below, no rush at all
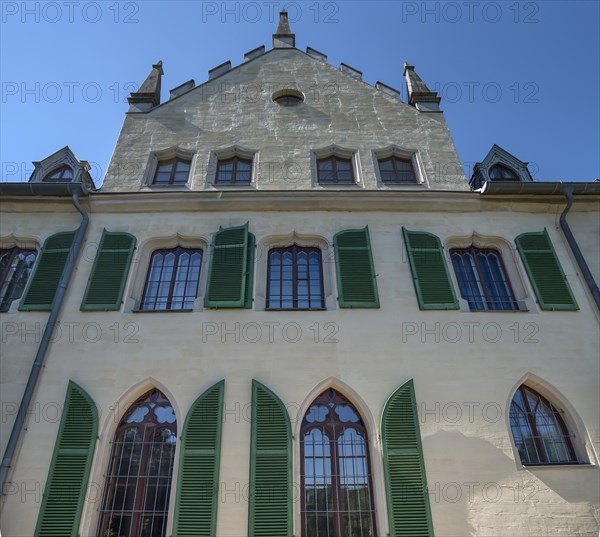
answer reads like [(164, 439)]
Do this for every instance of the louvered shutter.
[(43, 283), (250, 271), (107, 280), (228, 275), (357, 286), (270, 466), (545, 272), (65, 491), (407, 496), (429, 271), (198, 483)]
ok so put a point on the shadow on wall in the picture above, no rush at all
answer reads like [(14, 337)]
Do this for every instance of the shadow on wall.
[(476, 490), (467, 480), (574, 485)]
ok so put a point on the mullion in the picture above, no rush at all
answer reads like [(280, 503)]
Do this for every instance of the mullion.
[(473, 252), (540, 448)]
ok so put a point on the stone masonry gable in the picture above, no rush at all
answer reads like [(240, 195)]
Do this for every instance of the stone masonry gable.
[(236, 109)]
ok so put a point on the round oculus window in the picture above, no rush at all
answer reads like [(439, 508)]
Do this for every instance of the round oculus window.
[(288, 97)]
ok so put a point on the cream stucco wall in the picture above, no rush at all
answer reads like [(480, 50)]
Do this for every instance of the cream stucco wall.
[(465, 365)]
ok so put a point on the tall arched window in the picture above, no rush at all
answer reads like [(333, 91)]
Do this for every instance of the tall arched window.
[(539, 430), (337, 493), (138, 484)]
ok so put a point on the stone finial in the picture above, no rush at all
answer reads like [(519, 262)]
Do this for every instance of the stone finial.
[(283, 37), (148, 96), (419, 95)]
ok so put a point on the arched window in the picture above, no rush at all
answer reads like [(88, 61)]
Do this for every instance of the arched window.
[(499, 172), (62, 174), (539, 430), (15, 267), (337, 493), (138, 483)]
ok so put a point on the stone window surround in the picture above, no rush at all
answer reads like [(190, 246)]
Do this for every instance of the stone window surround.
[(510, 259), (281, 241), (227, 153), (167, 154), (582, 444), (141, 265), (404, 153), (25, 243), (338, 151)]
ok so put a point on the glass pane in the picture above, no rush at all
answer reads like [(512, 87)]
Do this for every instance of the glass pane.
[(138, 486)]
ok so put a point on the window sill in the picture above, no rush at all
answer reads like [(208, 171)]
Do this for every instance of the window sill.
[(163, 311), (333, 186), (557, 466), (182, 186), (226, 186), (295, 309)]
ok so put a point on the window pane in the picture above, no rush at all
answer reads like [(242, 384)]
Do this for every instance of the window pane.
[(15, 267), (138, 482), (172, 280), (335, 503)]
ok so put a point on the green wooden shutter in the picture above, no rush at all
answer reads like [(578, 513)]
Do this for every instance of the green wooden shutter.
[(228, 273), (107, 280), (357, 286), (545, 272), (250, 271), (409, 512), (429, 271), (270, 466), (65, 491), (43, 283), (198, 483)]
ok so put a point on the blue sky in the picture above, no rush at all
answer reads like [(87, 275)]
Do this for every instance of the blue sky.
[(524, 75)]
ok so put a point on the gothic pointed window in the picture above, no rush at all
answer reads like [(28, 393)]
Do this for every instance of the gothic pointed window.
[(337, 490), (539, 430), (15, 267), (499, 172), (138, 483), (335, 170), (234, 171)]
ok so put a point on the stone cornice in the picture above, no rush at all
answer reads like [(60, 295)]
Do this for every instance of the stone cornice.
[(214, 201)]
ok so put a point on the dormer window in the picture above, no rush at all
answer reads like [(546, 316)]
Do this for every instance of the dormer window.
[(234, 171), (335, 170), (174, 171), (64, 174), (499, 172), (396, 170)]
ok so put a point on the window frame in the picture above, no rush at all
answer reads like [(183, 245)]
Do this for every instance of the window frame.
[(13, 252), (396, 171), (108, 476), (178, 250), (173, 161), (473, 250), (234, 171), (335, 158), (328, 425), (295, 248), (499, 166), (567, 437), (61, 179)]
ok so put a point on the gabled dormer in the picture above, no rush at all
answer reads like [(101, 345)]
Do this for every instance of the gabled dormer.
[(62, 167), (499, 165)]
